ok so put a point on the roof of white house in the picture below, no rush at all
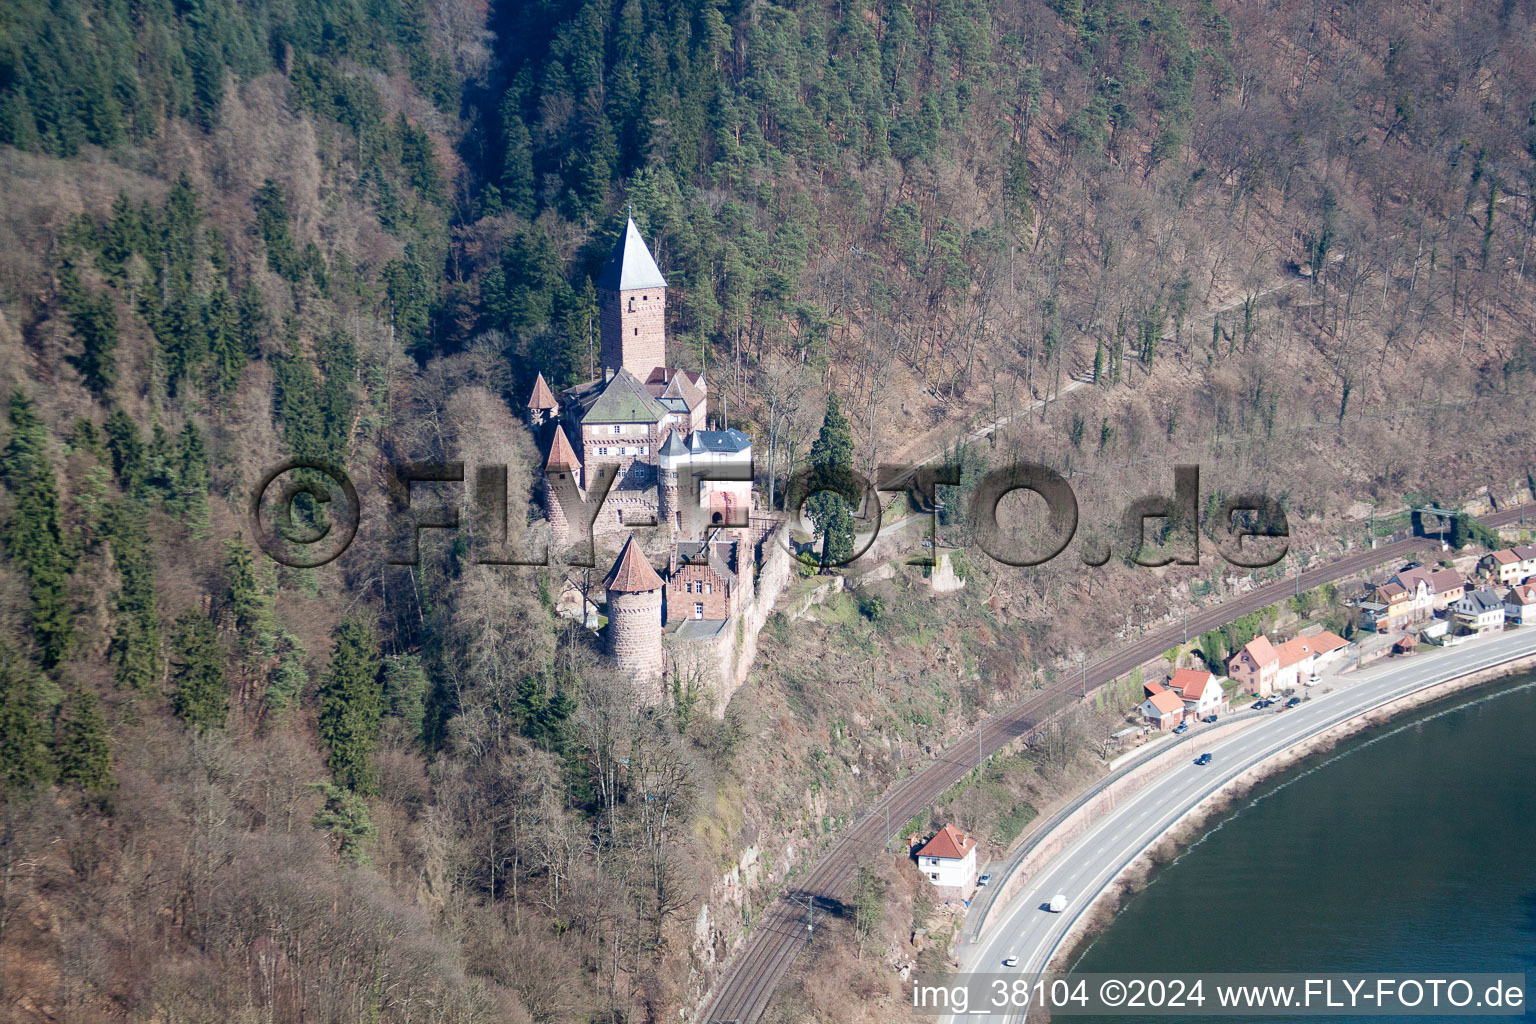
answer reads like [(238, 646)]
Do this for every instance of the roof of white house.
[(949, 844)]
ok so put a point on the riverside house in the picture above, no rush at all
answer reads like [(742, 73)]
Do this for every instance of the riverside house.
[(1479, 612), (949, 858), (1163, 708), (1511, 565), (1264, 668), (1200, 691), (1520, 604)]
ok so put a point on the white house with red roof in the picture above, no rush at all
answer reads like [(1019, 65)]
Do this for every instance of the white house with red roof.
[(1511, 565), (949, 858), (1200, 691), (1164, 709), (1520, 604)]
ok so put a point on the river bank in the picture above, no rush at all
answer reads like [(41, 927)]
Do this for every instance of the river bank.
[(1189, 826)]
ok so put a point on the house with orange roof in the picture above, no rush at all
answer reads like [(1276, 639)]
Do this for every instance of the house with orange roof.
[(949, 858), (1520, 604), (1201, 692), (1391, 606), (1163, 710), (1300, 658), (1511, 565), (1265, 668), (1254, 666)]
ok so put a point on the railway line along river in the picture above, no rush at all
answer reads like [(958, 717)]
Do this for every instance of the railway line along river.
[(1411, 847)]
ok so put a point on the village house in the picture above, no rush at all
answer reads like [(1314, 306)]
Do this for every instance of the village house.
[(1302, 657), (949, 858), (1201, 692), (1254, 666), (1390, 606), (1264, 668), (1479, 612), (1511, 565), (1520, 604), (1433, 590), (1163, 709), (703, 581)]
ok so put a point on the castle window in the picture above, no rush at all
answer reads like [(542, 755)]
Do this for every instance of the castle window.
[(698, 610), (709, 588), (618, 429), (602, 451), (631, 303), (637, 332), (621, 516)]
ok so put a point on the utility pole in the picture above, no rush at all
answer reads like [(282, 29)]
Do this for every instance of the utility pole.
[(1082, 663)]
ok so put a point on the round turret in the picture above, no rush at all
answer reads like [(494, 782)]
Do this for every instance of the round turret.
[(634, 620)]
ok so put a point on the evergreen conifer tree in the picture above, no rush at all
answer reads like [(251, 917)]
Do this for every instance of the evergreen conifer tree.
[(351, 706)]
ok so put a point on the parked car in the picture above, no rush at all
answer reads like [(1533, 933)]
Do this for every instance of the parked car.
[(1209, 718), (1203, 759), (1293, 702), (1010, 960), (984, 879), (1182, 728)]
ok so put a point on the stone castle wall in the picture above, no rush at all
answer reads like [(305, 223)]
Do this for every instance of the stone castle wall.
[(728, 657)]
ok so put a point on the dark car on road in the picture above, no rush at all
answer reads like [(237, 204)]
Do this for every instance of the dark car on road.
[(1293, 702), (1181, 729), (1203, 759)]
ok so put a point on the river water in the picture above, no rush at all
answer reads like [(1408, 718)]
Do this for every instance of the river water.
[(1408, 848)]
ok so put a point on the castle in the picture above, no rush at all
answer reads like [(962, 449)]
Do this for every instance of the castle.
[(634, 449)]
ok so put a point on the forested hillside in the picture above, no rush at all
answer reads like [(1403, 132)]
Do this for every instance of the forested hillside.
[(1285, 239)]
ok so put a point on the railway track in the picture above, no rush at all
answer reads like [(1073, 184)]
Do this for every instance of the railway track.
[(750, 981)]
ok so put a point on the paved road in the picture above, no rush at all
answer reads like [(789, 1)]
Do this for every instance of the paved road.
[(1085, 868), (768, 952)]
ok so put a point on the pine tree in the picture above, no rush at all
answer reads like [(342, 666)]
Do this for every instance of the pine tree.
[(517, 165), (405, 693), (34, 534), (831, 459), (200, 694), (192, 479), (135, 648), (221, 323), (81, 747), (350, 706), (345, 816), (127, 449), (24, 756)]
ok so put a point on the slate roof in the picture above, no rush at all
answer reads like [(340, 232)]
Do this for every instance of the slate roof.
[(632, 574), (699, 629), (674, 447), (625, 400), (631, 264), (1484, 599), (722, 441)]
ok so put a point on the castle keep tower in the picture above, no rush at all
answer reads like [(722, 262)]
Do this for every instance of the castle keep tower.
[(634, 620), (633, 297)]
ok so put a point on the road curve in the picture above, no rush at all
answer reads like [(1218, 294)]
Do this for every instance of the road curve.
[(1086, 867), (744, 991)]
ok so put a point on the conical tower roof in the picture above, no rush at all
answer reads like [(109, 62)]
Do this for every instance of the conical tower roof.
[(631, 264), (542, 397), (632, 574), (674, 446), (561, 454)]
